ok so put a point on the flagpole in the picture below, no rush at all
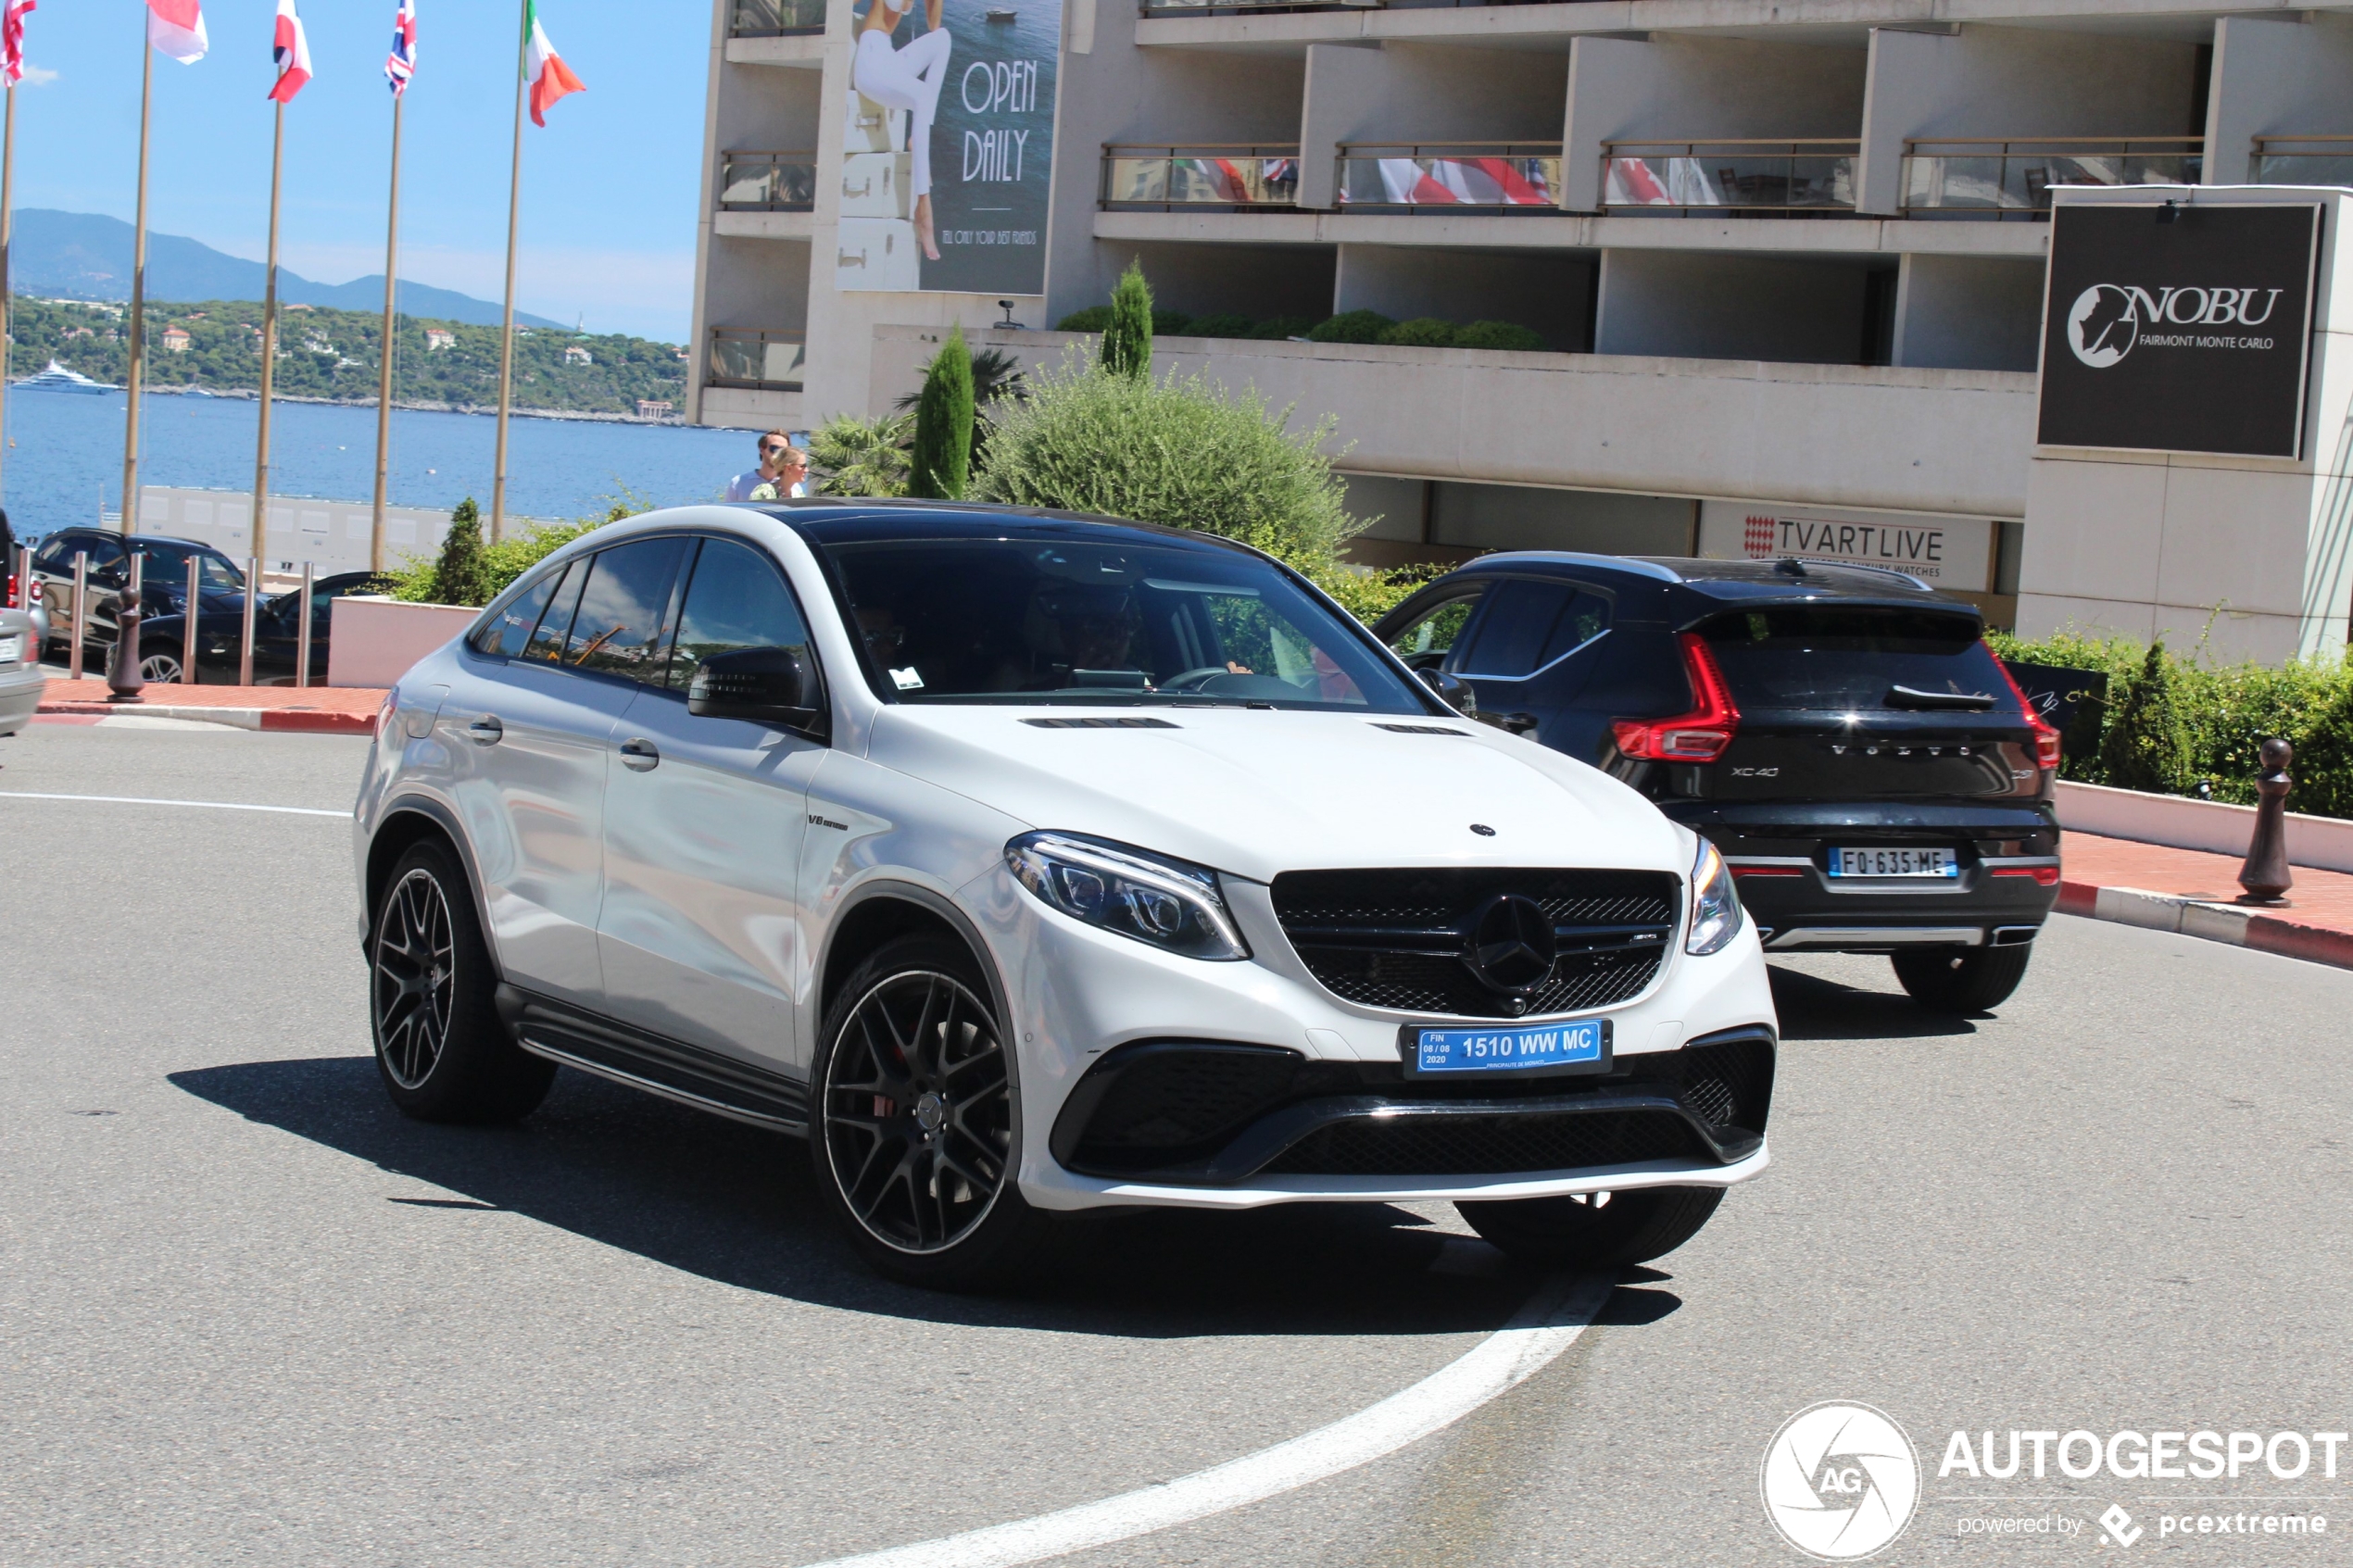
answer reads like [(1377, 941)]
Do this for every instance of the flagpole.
[(384, 348), (269, 349), (138, 291), (7, 223), (507, 335)]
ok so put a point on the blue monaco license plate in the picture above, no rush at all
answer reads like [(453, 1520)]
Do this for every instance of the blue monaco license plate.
[(1581, 1046)]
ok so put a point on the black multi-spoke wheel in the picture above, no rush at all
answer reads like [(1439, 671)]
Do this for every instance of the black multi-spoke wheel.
[(918, 1134), (444, 1054)]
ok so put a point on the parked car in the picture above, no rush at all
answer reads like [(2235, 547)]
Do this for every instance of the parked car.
[(277, 634), (164, 581), (1843, 734), (20, 674), (1030, 863)]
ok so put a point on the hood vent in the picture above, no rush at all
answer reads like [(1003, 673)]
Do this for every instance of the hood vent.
[(1422, 730), (1102, 723)]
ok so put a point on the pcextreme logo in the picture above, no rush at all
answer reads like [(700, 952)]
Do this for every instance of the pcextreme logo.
[(2107, 319), (1841, 1481)]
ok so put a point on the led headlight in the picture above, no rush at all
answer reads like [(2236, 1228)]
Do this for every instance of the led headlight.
[(1170, 904), (1716, 908)]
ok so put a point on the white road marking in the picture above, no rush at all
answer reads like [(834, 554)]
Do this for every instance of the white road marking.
[(1547, 1325), (208, 805)]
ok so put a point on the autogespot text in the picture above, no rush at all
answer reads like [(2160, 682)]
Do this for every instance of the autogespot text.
[(2153, 1456)]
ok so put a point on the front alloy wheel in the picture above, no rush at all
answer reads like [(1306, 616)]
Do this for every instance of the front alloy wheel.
[(159, 669), (415, 979)]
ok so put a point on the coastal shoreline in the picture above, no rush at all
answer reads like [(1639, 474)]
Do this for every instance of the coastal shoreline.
[(248, 396)]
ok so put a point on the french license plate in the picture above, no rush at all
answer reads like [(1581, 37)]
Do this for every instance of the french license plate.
[(1896, 862), (11, 648), (1519, 1048)]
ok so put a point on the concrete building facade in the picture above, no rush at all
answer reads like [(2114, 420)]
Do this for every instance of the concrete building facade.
[(1784, 267)]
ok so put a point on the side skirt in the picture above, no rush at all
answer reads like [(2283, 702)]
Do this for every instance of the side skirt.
[(673, 1069)]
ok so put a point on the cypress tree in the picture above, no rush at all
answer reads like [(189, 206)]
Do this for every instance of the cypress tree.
[(2148, 746), (1128, 342), (462, 576), (942, 459)]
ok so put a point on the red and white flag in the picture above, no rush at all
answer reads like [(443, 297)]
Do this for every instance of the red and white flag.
[(550, 79), (401, 64), (176, 28), (291, 49), (12, 40)]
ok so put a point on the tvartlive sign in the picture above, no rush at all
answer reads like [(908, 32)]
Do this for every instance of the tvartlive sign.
[(1944, 552), (949, 149), (2178, 327)]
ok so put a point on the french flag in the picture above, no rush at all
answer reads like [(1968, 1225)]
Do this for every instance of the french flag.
[(176, 28), (291, 49)]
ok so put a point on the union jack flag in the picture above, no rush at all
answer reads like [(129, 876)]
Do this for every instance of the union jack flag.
[(401, 64)]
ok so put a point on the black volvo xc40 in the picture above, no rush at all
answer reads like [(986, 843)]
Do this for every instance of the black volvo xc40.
[(1843, 736)]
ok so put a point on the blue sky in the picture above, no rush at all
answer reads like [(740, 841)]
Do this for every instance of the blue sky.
[(610, 186)]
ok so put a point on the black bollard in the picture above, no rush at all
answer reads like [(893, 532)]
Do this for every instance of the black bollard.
[(124, 684), (2265, 875)]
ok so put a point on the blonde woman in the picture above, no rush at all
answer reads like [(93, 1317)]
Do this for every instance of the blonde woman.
[(906, 78)]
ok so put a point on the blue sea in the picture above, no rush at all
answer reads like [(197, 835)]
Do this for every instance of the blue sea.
[(64, 456)]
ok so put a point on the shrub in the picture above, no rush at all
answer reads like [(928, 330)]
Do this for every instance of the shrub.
[(2147, 744), (1370, 593), (1127, 341), (1169, 323), (1352, 326), (1499, 334), (1279, 329), (1223, 324), (459, 576), (1177, 450), (1422, 332), (940, 462), (1094, 319), (2322, 766), (860, 456)]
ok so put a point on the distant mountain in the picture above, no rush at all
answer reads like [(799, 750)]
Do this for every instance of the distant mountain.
[(83, 255)]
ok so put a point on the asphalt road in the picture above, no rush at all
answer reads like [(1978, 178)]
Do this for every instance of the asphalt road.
[(249, 1315)]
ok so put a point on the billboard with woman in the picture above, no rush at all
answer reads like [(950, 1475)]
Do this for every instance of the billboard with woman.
[(949, 148)]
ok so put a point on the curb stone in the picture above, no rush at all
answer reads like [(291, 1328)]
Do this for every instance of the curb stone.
[(277, 719), (2237, 924)]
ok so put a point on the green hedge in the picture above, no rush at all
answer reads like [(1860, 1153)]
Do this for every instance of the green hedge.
[(2183, 725)]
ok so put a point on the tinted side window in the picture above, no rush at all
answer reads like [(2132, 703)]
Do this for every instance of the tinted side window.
[(618, 630), (503, 635), (547, 642), (1528, 625), (736, 600), (109, 564), (1429, 636)]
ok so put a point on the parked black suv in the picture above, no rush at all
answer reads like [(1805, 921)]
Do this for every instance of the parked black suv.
[(164, 581), (1841, 734)]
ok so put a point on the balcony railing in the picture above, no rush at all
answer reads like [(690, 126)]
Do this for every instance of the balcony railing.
[(1804, 174), (1481, 176), (767, 182), (2304, 160), (776, 19), (1244, 8), (1164, 178), (2012, 177), (767, 361)]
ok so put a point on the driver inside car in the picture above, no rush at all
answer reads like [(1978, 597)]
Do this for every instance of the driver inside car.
[(1071, 626)]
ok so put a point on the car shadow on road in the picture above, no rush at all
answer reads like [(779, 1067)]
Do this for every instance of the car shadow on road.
[(738, 1205), (1813, 1008)]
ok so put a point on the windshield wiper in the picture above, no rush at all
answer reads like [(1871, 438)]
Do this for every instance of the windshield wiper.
[(1909, 696)]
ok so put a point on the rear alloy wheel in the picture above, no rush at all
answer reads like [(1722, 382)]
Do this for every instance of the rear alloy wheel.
[(918, 1137), (1962, 979), (1599, 1230), (443, 1051), (159, 669)]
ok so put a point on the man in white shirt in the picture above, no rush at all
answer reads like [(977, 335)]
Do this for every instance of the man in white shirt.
[(782, 471)]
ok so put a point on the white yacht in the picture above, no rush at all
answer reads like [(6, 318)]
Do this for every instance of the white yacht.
[(56, 377)]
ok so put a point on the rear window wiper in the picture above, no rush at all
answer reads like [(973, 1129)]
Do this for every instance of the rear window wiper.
[(1909, 696)]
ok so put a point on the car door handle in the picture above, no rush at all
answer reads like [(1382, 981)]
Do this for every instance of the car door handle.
[(640, 754), (486, 730)]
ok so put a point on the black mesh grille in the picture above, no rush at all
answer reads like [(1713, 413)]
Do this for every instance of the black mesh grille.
[(1727, 1084), (1481, 1145), (1393, 939), (1178, 1098)]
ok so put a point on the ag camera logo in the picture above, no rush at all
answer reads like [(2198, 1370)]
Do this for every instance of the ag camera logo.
[(1841, 1481)]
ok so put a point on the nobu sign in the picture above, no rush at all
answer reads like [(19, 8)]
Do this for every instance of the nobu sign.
[(2187, 335)]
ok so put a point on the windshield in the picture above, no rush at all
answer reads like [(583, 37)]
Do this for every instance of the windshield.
[(1029, 621), (168, 568), (1848, 657)]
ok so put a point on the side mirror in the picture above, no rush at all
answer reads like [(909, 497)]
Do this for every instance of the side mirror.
[(1453, 691), (764, 685)]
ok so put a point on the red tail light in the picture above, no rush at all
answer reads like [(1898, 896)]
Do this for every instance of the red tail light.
[(2046, 739), (1700, 735)]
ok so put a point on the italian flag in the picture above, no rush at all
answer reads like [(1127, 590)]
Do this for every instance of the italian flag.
[(550, 79), (176, 28)]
